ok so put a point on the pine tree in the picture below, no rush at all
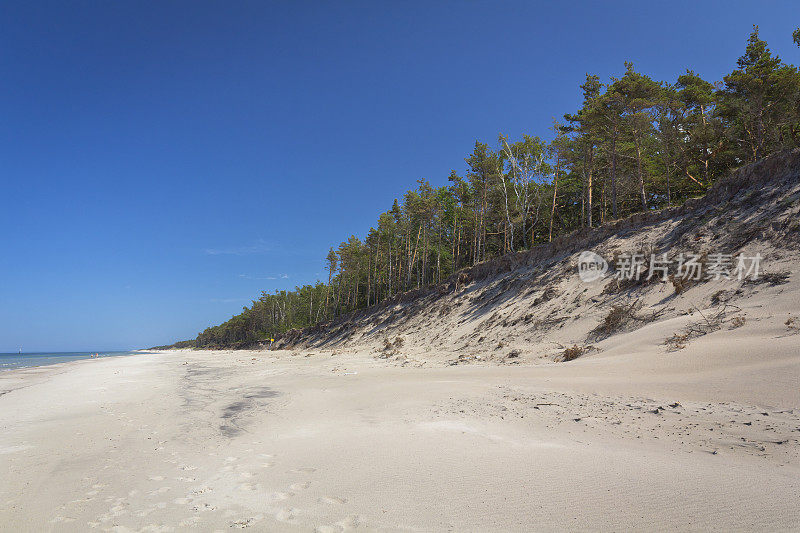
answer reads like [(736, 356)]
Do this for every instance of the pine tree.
[(759, 102)]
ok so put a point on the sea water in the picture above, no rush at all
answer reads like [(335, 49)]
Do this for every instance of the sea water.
[(10, 361)]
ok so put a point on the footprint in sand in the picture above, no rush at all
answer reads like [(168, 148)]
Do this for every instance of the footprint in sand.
[(351, 522), (286, 515), (306, 470), (299, 486), (203, 507), (243, 523)]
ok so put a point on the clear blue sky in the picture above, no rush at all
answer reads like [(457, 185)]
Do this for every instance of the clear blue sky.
[(161, 163)]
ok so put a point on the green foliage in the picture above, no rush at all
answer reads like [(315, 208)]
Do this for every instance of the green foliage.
[(635, 144), (177, 346), (759, 103)]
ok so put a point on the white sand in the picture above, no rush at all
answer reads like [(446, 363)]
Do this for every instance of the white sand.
[(338, 441)]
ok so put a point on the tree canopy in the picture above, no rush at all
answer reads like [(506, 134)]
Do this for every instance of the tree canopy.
[(635, 144)]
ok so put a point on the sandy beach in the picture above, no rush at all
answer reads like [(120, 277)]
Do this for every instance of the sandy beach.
[(452, 409), (335, 441), (328, 267)]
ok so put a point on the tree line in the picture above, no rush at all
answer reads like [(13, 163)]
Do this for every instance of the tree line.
[(635, 144)]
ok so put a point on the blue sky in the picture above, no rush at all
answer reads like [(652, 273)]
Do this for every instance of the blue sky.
[(162, 163)]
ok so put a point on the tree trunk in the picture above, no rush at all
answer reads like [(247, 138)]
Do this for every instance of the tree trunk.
[(639, 170), (614, 173), (589, 191), (555, 195)]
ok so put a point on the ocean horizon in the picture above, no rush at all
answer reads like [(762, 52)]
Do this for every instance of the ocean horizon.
[(13, 361)]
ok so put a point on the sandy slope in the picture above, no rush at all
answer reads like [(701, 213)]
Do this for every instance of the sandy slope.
[(534, 304), (469, 423), (705, 438)]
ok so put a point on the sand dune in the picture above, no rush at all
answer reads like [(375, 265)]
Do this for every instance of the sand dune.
[(447, 409), (301, 441)]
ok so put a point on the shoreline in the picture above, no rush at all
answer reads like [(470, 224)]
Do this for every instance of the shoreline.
[(58, 354), (298, 442), (21, 374)]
